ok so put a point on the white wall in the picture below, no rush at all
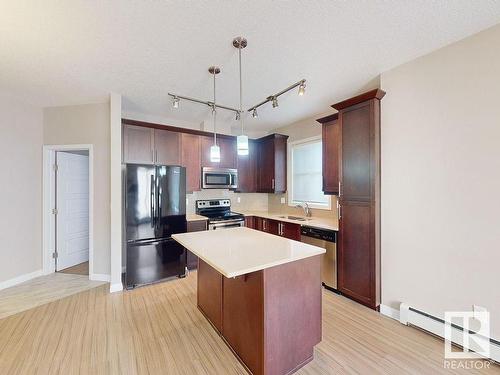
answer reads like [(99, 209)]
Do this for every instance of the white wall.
[(88, 124), (441, 179), (20, 188)]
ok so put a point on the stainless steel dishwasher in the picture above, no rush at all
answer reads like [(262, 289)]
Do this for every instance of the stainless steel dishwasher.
[(326, 239)]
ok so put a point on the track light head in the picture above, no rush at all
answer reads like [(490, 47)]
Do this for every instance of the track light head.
[(175, 102), (302, 88), (275, 102), (254, 113)]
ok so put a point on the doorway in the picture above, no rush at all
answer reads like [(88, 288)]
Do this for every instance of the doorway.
[(72, 212), (68, 213)]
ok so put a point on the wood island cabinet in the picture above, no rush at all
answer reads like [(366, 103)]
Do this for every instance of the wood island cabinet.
[(331, 153), (359, 198), (271, 164), (191, 159)]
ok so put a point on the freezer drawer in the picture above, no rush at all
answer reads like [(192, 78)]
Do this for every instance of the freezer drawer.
[(149, 262)]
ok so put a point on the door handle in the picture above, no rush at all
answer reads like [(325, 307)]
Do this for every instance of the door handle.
[(152, 203)]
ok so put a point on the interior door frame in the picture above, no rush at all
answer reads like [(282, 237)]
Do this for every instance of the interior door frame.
[(48, 219)]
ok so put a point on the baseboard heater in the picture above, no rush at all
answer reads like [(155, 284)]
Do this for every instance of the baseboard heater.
[(414, 317)]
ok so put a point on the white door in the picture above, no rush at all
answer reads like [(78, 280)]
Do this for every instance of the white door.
[(72, 202)]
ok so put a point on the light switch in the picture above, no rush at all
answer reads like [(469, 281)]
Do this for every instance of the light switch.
[(283, 200)]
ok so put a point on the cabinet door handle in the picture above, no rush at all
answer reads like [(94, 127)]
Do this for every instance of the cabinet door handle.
[(264, 224), (272, 182)]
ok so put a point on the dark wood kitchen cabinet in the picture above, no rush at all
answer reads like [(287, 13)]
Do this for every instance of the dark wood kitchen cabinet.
[(250, 222), (191, 159), (271, 164), (289, 230), (247, 169), (138, 144), (227, 152), (331, 153), (194, 226), (359, 198), (150, 146), (167, 147), (266, 225)]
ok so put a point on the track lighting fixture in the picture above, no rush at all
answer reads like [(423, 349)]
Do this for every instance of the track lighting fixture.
[(302, 88), (242, 140), (214, 149)]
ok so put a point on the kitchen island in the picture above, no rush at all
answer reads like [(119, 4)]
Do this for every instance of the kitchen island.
[(262, 293)]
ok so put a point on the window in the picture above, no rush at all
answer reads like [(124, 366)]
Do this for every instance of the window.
[(306, 174)]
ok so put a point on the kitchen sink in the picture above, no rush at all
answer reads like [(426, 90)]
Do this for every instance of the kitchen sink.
[(298, 218)]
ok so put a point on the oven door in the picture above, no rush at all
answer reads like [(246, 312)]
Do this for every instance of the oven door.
[(213, 178), (226, 224)]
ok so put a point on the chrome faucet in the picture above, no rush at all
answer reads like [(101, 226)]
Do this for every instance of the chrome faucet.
[(306, 208)]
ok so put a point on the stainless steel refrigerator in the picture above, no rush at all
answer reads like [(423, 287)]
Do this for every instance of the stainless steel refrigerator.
[(155, 207)]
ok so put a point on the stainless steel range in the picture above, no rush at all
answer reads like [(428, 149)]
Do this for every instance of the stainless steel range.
[(219, 214)]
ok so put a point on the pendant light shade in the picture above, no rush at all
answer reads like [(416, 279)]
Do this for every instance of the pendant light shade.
[(242, 144), (215, 154)]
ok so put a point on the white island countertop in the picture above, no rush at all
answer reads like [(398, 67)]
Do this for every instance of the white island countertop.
[(238, 251)]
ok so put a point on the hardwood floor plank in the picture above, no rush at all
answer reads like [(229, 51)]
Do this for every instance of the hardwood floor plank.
[(159, 330)]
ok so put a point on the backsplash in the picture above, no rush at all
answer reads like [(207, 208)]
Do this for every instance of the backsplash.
[(248, 201)]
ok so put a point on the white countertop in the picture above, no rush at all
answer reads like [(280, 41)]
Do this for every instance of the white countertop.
[(238, 251), (316, 222)]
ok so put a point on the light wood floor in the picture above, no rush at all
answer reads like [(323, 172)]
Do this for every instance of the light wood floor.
[(79, 269), (42, 290), (158, 330)]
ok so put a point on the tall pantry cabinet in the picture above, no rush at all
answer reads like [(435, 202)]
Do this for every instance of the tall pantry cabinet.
[(359, 198)]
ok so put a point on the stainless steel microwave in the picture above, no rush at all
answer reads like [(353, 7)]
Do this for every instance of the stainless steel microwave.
[(219, 178)]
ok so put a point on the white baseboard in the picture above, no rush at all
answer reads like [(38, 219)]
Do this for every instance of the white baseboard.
[(435, 326), (116, 287), (20, 279), (389, 312), (100, 277)]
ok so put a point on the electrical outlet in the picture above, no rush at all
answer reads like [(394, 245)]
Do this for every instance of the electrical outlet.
[(238, 199), (283, 200), (187, 201)]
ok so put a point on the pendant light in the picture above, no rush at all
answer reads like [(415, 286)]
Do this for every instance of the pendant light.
[(215, 149), (242, 139)]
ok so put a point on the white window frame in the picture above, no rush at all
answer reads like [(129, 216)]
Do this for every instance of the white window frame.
[(291, 202)]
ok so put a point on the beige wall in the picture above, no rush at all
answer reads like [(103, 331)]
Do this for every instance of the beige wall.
[(88, 124), (300, 130), (441, 179), (20, 188)]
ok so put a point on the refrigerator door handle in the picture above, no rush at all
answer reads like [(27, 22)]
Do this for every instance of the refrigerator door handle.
[(152, 204)]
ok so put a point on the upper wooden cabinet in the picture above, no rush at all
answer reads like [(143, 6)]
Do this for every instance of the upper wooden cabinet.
[(271, 164), (262, 170), (227, 152), (331, 150), (167, 147), (138, 144), (150, 146), (191, 159), (247, 169), (359, 198)]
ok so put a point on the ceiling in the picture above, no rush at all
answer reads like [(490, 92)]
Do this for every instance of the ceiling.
[(72, 52)]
